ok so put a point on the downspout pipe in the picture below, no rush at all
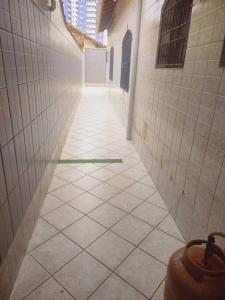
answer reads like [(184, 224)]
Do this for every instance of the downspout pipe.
[(138, 9)]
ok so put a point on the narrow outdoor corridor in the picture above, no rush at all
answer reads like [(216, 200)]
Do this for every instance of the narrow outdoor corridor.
[(112, 149), (104, 232)]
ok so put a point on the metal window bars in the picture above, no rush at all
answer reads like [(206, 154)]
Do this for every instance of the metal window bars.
[(174, 30)]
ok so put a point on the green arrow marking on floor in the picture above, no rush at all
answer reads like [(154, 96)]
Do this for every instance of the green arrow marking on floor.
[(90, 161)]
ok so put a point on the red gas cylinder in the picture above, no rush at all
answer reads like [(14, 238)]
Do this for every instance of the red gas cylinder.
[(196, 272)]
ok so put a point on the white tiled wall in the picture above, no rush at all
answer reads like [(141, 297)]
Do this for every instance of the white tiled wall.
[(179, 116), (40, 86)]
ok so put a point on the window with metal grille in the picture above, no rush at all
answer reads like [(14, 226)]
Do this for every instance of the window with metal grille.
[(111, 63), (222, 60), (174, 30), (125, 64)]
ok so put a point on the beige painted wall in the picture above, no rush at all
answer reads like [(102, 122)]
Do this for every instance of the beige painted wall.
[(179, 116)]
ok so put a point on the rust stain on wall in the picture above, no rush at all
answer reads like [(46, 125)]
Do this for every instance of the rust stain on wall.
[(142, 133)]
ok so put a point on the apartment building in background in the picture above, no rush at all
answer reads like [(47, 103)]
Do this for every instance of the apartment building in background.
[(83, 15), (87, 18), (69, 7)]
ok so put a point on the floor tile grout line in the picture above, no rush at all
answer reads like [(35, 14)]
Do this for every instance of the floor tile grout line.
[(113, 154), (101, 156), (113, 273), (28, 294), (127, 212), (117, 266), (50, 191), (102, 181), (142, 201), (107, 201), (89, 191), (147, 200), (84, 214), (64, 228), (72, 181), (84, 249), (32, 249), (56, 175), (125, 190), (105, 181), (127, 166), (123, 210), (137, 245), (48, 212), (163, 231), (99, 285), (120, 172), (114, 270), (107, 228), (61, 231), (159, 286), (50, 276), (105, 144), (119, 191), (63, 288)]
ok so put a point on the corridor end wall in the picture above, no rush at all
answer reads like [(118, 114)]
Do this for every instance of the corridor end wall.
[(40, 84), (179, 114)]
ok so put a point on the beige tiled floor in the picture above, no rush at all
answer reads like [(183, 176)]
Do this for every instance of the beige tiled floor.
[(104, 232)]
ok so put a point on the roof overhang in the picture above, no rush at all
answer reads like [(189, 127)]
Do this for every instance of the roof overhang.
[(81, 38), (105, 14)]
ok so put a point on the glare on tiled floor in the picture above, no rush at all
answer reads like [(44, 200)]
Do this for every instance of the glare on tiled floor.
[(104, 232)]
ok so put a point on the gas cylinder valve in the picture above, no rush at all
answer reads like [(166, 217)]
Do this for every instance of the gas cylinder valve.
[(211, 248), (196, 272)]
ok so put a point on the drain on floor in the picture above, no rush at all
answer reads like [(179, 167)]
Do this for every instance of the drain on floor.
[(90, 161)]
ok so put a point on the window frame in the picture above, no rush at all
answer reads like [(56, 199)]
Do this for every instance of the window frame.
[(126, 61), (175, 29), (111, 63)]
